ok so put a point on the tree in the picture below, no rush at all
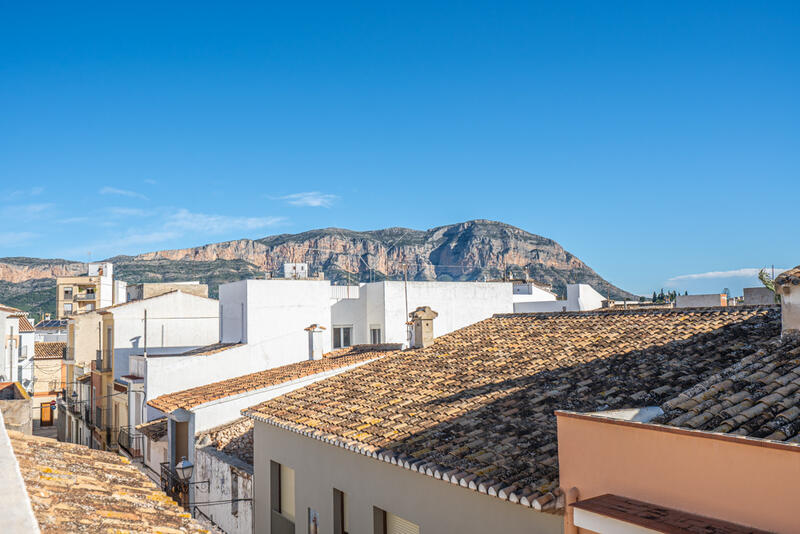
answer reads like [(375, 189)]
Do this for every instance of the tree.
[(769, 283), (655, 297)]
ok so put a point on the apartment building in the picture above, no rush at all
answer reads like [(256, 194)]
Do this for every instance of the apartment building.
[(460, 436), (98, 289)]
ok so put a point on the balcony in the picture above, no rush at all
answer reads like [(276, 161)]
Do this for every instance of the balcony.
[(85, 297), (102, 364), (131, 441)]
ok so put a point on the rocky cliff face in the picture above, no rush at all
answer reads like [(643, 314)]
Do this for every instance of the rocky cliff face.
[(473, 250)]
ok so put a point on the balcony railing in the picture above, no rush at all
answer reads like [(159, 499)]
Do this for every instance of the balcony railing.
[(173, 486), (85, 297), (130, 441), (100, 363)]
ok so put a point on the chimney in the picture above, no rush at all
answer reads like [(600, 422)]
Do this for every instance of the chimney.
[(315, 341), (787, 285), (422, 321)]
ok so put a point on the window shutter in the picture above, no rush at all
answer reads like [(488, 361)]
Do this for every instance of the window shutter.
[(398, 525)]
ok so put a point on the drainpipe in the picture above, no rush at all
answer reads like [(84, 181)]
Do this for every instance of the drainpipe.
[(571, 496)]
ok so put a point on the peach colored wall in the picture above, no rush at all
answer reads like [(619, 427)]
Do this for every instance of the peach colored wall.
[(750, 482)]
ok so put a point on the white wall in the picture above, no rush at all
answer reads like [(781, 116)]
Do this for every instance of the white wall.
[(275, 314), (758, 296), (580, 297), (698, 301), (436, 506), (219, 469)]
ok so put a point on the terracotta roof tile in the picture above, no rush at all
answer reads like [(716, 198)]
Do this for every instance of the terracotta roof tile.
[(76, 489), (476, 407), (24, 324), (758, 396), (9, 309), (658, 518), (190, 398), (792, 276), (49, 350)]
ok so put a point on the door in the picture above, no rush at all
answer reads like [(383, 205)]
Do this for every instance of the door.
[(46, 414)]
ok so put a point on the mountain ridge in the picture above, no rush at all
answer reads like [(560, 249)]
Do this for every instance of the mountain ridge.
[(472, 250)]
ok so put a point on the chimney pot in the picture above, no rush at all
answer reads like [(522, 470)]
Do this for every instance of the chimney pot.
[(422, 321), (315, 341)]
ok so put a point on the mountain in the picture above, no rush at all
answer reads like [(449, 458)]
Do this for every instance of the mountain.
[(472, 250)]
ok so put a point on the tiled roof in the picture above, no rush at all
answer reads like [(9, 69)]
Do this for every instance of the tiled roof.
[(234, 438), (792, 276), (655, 518), (758, 397), (190, 398), (76, 489), (476, 407), (155, 430), (25, 325), (200, 351), (49, 350)]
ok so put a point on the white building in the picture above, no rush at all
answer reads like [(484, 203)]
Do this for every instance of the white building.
[(580, 297), (18, 347), (377, 312)]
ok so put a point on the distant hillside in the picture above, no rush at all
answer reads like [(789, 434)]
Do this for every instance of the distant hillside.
[(473, 250)]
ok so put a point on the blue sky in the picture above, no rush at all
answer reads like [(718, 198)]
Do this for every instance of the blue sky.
[(653, 140)]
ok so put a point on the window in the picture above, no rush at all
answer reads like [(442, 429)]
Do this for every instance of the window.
[(67, 293), (388, 523), (281, 498), (89, 307), (342, 336), (339, 512), (375, 335), (67, 307)]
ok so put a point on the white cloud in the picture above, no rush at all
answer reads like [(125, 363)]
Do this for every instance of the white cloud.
[(121, 192), (74, 220), (313, 199), (9, 239), (216, 224), (116, 211), (736, 273), (150, 181)]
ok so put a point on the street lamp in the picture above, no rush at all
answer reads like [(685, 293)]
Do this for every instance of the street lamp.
[(184, 469), (74, 395)]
